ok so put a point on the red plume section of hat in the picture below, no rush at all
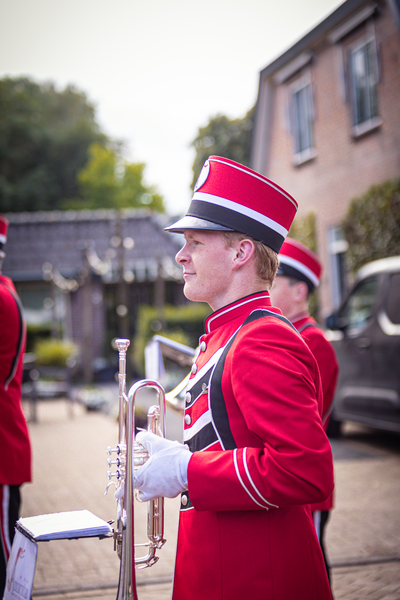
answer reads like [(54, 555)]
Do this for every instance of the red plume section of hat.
[(230, 196), (296, 260), (3, 230)]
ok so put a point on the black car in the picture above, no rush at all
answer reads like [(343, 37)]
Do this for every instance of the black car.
[(365, 333)]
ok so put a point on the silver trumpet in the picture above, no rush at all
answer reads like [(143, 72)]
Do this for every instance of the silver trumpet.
[(131, 455)]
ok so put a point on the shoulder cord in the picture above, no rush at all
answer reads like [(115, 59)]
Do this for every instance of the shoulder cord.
[(217, 402)]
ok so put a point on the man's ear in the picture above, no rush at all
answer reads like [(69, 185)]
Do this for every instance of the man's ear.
[(244, 251), (301, 291)]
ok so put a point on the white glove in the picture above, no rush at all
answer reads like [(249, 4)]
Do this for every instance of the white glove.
[(165, 472)]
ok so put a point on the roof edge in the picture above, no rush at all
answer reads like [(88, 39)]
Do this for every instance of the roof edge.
[(339, 14), (99, 214)]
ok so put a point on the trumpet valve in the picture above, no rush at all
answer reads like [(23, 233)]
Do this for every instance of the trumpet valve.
[(120, 449), (120, 462), (140, 455), (119, 474)]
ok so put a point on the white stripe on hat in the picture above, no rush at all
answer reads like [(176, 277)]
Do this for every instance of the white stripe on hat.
[(243, 210), (3, 238), (291, 262)]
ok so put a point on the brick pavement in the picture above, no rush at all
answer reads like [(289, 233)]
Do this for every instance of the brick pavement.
[(363, 536)]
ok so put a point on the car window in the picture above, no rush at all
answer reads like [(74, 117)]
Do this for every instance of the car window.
[(393, 299), (360, 304)]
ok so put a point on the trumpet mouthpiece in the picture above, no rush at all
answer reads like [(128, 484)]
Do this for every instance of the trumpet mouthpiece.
[(122, 345)]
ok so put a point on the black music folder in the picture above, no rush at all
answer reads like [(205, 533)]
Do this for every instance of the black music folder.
[(63, 525)]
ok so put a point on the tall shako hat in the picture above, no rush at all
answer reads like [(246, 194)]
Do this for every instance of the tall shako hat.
[(295, 260), (231, 197), (3, 231)]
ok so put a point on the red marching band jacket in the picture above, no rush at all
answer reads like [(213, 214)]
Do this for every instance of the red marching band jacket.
[(15, 463), (261, 456), (329, 369)]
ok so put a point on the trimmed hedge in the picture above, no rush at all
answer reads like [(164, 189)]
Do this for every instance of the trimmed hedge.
[(55, 353)]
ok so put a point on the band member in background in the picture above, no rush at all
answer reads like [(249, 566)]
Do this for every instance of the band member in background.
[(255, 453), (15, 455), (299, 273)]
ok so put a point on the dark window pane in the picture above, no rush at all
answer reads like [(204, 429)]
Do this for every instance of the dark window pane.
[(359, 306), (393, 300), (302, 116), (364, 78)]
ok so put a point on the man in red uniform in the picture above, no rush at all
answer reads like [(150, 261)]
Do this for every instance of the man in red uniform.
[(299, 273), (15, 454), (255, 453)]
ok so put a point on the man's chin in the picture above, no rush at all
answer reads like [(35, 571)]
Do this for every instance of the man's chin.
[(191, 294), (188, 294)]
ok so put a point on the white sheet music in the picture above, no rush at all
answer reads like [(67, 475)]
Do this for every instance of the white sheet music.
[(63, 525)]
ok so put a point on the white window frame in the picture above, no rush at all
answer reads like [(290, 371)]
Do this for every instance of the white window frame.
[(372, 119), (301, 153), (337, 248)]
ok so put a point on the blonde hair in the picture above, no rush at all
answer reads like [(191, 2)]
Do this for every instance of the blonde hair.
[(265, 258)]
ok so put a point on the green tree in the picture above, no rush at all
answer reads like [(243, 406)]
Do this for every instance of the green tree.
[(304, 230), (372, 224), (230, 138), (108, 181), (44, 139)]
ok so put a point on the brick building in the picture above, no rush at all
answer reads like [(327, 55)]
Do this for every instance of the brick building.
[(327, 123), (83, 275)]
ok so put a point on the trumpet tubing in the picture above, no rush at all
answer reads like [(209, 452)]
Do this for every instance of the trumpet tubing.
[(130, 456)]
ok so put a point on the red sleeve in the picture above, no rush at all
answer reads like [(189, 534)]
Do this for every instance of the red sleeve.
[(15, 466), (11, 332), (325, 356), (271, 388)]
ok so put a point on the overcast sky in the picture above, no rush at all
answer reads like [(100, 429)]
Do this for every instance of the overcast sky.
[(156, 70)]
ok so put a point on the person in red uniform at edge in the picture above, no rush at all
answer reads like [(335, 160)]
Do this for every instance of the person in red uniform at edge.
[(298, 275), (255, 454), (15, 454)]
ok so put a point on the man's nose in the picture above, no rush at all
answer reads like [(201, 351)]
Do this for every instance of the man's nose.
[(180, 256)]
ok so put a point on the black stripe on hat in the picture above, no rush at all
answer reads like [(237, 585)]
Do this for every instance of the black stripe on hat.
[(237, 222), (296, 274)]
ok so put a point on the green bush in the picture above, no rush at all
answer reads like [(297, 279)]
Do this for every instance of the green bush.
[(54, 353), (372, 225), (183, 324), (305, 231)]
